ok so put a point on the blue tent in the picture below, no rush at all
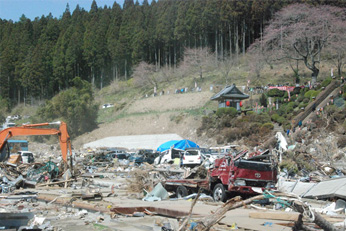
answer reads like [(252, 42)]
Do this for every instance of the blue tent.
[(178, 144)]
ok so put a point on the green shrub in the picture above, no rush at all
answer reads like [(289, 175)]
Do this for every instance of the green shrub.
[(302, 104), (310, 94), (300, 98), (260, 118), (284, 109), (304, 90), (289, 115), (295, 91), (287, 125), (250, 113), (220, 111), (315, 94), (281, 120), (269, 126), (326, 82), (76, 106), (290, 165), (275, 93), (344, 88), (306, 100), (275, 117), (263, 100), (291, 104), (289, 109), (278, 100), (231, 111), (344, 95)]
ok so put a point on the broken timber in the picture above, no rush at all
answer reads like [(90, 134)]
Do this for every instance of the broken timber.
[(207, 222)]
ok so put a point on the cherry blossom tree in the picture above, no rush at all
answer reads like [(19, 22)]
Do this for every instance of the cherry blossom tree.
[(144, 76), (336, 49), (301, 32), (197, 59)]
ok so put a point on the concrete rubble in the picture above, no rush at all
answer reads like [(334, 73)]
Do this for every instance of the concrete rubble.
[(98, 194)]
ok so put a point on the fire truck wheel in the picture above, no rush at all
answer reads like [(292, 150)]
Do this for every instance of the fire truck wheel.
[(181, 191), (219, 193)]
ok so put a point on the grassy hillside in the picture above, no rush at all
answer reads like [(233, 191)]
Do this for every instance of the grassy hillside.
[(136, 111), (123, 94)]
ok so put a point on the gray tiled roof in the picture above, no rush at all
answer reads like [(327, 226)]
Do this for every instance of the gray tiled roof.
[(230, 92)]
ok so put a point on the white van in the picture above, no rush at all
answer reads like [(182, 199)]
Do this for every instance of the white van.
[(192, 157), (168, 156)]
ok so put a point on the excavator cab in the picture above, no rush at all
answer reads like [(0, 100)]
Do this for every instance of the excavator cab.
[(5, 152)]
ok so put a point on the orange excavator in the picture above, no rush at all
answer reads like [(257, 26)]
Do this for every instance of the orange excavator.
[(37, 130)]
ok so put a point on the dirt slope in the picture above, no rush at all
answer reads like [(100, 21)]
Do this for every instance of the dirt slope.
[(156, 115), (170, 102)]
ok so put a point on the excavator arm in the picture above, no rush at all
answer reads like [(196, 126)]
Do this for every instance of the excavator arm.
[(37, 130)]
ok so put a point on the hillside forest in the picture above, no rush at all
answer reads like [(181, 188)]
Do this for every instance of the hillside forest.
[(61, 61), (39, 58)]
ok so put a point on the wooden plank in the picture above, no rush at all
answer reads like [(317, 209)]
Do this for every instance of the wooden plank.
[(284, 216), (340, 218)]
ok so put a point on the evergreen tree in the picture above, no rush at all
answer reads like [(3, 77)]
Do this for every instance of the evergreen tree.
[(40, 58), (113, 38)]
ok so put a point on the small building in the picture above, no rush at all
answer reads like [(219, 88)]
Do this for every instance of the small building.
[(230, 96)]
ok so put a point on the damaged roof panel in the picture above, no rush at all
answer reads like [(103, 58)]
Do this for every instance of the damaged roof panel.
[(296, 187), (327, 189)]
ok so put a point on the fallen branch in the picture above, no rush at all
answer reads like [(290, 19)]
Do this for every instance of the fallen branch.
[(190, 212), (207, 222)]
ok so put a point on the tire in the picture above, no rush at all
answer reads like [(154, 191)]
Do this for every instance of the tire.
[(181, 191), (219, 193)]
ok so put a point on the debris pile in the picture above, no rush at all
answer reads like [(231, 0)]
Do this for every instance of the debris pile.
[(103, 193)]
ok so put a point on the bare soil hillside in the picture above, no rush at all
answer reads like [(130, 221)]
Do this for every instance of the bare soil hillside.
[(170, 102), (156, 115)]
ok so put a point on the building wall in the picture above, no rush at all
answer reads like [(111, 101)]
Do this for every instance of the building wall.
[(233, 103)]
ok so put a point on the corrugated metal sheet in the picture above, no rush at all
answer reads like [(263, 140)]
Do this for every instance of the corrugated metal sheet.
[(330, 188), (296, 187), (318, 190)]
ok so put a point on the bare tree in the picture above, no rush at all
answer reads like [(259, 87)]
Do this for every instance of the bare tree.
[(256, 60), (226, 66), (301, 32), (166, 74), (144, 76), (197, 59), (336, 49)]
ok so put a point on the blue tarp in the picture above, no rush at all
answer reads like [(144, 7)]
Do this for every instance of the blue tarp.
[(177, 144)]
